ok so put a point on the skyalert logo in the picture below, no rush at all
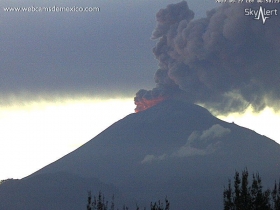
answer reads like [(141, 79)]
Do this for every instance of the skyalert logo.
[(261, 13)]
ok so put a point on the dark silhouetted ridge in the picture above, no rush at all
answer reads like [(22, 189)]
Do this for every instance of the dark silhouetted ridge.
[(173, 149)]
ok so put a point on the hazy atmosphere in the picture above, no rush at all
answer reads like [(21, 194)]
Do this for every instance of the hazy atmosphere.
[(66, 76)]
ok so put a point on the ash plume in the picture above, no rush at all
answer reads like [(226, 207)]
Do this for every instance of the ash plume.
[(225, 61)]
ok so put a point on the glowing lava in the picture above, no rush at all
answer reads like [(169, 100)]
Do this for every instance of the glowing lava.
[(144, 103)]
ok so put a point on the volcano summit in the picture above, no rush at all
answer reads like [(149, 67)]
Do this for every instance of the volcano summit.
[(171, 146), (173, 149)]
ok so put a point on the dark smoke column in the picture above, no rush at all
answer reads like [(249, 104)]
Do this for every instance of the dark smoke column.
[(226, 61), (165, 88)]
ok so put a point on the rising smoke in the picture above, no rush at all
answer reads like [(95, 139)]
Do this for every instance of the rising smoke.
[(225, 61)]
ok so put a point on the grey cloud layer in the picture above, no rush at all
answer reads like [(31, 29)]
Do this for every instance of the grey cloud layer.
[(98, 53), (102, 53)]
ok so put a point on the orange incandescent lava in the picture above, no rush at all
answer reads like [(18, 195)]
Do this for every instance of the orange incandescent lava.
[(144, 103)]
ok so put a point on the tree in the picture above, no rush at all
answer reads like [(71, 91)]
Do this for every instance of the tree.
[(260, 199), (100, 204), (159, 205), (245, 197), (237, 192), (276, 196), (228, 198)]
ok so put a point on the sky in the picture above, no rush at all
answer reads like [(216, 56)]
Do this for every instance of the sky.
[(67, 76)]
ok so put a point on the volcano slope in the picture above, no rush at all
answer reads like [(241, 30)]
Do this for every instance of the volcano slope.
[(173, 149)]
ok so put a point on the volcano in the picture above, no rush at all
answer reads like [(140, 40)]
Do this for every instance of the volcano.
[(174, 149)]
